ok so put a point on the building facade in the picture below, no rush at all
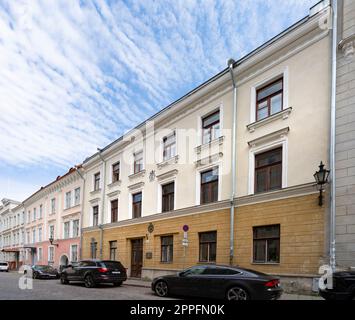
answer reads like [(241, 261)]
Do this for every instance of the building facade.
[(345, 136), (162, 197), (11, 233), (53, 214)]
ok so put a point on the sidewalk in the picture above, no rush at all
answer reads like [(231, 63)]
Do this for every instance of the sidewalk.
[(285, 296)]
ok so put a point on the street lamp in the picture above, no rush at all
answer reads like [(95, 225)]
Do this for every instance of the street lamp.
[(321, 177), (51, 241)]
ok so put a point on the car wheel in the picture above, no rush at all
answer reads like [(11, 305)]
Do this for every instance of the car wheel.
[(161, 289), (63, 279), (117, 284), (237, 293), (89, 281)]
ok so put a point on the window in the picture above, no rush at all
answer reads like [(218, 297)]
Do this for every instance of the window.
[(209, 186), (168, 197), (40, 254), (28, 237), (167, 248), (208, 246), (53, 206), (116, 172), (34, 214), (33, 236), (137, 205), (96, 181), (66, 229), (266, 244), (68, 200), (74, 253), (169, 147), (269, 99), (40, 211), (51, 254), (113, 248), (138, 162), (114, 210), (93, 250), (95, 215), (268, 170), (39, 234), (77, 196), (210, 127), (75, 228), (51, 232)]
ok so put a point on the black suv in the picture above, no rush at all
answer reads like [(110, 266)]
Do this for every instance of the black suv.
[(343, 287), (93, 272)]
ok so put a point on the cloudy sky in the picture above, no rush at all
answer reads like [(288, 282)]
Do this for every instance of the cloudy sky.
[(75, 75)]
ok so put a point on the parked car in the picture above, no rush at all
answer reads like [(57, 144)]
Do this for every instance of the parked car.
[(219, 282), (44, 272), (93, 272), (4, 266), (343, 287)]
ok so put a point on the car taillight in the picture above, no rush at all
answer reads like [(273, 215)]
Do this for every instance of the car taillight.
[(272, 283), (102, 270)]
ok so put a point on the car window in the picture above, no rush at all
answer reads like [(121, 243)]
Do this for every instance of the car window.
[(219, 271), (3, 264), (112, 264), (194, 271)]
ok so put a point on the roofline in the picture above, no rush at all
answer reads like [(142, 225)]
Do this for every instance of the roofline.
[(210, 80)]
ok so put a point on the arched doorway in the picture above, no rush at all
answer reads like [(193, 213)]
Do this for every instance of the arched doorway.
[(64, 261)]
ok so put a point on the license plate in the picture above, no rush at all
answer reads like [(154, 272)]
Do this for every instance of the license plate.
[(116, 272)]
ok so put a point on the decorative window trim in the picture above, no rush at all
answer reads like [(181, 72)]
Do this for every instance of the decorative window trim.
[(201, 147), (113, 194), (137, 175), (114, 184), (263, 144), (198, 180), (209, 160), (284, 114), (136, 187), (264, 82), (172, 160), (162, 178)]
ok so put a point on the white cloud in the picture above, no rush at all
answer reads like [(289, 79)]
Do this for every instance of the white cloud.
[(76, 75)]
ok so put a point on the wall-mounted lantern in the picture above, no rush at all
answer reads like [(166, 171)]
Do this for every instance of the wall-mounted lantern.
[(321, 177)]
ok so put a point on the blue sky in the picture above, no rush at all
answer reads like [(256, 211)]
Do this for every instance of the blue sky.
[(75, 75)]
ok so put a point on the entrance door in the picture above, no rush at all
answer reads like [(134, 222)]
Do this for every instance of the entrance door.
[(136, 258)]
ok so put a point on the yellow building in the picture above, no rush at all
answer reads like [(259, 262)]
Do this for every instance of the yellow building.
[(256, 207)]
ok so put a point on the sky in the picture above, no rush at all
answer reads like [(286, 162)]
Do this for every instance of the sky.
[(76, 75)]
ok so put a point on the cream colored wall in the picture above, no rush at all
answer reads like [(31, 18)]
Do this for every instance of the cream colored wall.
[(308, 95)]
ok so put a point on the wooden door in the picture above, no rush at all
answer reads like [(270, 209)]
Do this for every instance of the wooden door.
[(136, 258)]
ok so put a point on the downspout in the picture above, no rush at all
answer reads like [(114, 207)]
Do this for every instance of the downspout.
[(234, 159), (332, 135), (81, 214), (102, 204)]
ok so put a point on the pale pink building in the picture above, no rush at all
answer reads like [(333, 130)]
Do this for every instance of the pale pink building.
[(53, 221)]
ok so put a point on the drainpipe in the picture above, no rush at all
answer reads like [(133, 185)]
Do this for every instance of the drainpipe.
[(332, 136), (234, 159), (102, 204), (81, 214)]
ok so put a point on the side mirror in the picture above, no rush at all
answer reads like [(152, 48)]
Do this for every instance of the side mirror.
[(181, 274)]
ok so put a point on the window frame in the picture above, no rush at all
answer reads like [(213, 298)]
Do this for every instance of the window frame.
[(112, 208), (209, 243), (210, 126), (95, 216), (209, 185), (116, 172), (169, 146), (113, 249), (266, 239), (268, 167), (167, 250), (168, 195), (97, 180), (138, 162), (135, 203)]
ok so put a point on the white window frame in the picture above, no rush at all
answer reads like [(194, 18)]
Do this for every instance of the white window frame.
[(76, 203), (53, 208), (93, 181), (264, 82), (207, 112), (160, 193), (49, 250), (134, 160), (281, 142), (71, 252), (40, 256), (68, 200), (161, 158), (72, 228), (92, 214), (198, 180)]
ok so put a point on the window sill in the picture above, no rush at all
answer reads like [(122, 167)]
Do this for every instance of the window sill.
[(137, 174), (93, 192), (170, 262), (164, 163), (206, 262), (266, 263), (114, 184), (72, 207), (284, 114), (209, 144)]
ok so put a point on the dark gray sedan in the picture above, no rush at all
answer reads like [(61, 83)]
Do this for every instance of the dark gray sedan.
[(219, 282)]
